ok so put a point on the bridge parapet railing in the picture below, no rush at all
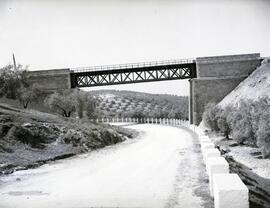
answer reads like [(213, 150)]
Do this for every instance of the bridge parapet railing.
[(133, 65)]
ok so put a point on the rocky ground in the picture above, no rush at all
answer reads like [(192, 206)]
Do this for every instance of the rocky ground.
[(31, 138)]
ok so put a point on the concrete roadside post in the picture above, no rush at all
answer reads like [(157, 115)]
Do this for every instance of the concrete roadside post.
[(204, 137), (215, 165), (204, 140), (206, 145), (211, 152), (230, 191)]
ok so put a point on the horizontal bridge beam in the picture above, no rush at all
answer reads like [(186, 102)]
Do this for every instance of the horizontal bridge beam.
[(133, 75)]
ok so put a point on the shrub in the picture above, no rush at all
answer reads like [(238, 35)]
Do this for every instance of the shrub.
[(210, 116), (80, 97), (12, 80), (215, 118), (111, 105), (90, 107), (29, 94), (263, 135), (68, 102), (64, 103), (222, 120), (241, 121), (258, 108), (261, 123)]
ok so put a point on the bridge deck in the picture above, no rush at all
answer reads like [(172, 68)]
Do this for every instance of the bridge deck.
[(133, 73)]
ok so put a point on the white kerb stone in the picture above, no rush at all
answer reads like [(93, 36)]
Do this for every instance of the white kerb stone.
[(230, 191), (205, 140), (215, 165), (203, 137), (201, 132), (211, 152), (207, 145)]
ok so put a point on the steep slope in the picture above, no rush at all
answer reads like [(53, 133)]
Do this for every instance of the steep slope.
[(112, 103), (245, 160), (29, 138), (255, 86)]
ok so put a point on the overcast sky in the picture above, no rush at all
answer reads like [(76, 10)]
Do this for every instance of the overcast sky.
[(48, 34)]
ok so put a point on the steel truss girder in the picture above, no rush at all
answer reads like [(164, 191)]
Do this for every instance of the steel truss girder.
[(125, 76)]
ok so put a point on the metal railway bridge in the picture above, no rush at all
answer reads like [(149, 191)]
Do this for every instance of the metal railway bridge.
[(211, 78), (133, 73)]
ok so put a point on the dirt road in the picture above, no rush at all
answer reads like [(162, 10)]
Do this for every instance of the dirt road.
[(160, 168)]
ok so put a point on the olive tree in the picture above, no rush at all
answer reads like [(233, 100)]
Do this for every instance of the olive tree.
[(241, 121), (11, 80), (86, 105), (63, 103), (90, 107), (69, 102), (210, 116), (263, 135), (261, 122), (27, 95)]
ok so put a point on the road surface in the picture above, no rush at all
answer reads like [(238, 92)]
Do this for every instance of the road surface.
[(160, 168)]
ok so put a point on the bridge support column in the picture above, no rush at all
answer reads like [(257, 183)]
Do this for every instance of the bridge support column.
[(216, 78), (190, 102)]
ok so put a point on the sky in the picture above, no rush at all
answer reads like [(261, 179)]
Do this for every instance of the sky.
[(47, 34)]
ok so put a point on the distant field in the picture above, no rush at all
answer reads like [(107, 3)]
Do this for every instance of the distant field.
[(112, 103)]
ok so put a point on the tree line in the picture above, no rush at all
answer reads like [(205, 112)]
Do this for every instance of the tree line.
[(247, 123)]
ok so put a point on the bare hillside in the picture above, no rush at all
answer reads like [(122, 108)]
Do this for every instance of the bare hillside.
[(255, 86), (246, 160)]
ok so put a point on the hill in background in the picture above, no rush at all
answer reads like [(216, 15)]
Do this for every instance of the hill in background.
[(113, 103)]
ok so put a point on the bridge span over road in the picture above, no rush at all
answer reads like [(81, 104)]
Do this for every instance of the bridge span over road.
[(211, 78)]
